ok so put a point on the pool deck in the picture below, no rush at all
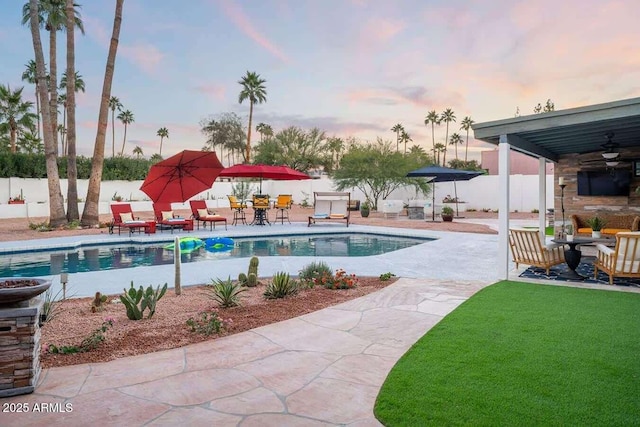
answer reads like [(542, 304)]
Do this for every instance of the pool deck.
[(321, 369)]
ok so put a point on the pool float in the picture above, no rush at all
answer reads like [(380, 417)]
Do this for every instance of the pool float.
[(187, 244), (219, 244)]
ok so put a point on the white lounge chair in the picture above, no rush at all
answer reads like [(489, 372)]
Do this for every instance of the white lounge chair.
[(624, 260), (330, 206)]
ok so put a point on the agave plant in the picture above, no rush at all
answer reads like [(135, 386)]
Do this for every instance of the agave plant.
[(226, 293), (281, 286)]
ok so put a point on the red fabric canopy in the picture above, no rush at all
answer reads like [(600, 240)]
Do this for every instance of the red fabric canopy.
[(182, 176), (264, 171)]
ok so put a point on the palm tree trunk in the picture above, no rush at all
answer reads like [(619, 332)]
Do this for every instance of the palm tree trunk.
[(161, 138), (124, 140), (90, 215), (446, 141), (248, 157), (433, 142), (12, 137), (62, 133), (56, 206), (70, 122), (38, 108), (466, 148), (113, 133), (53, 87)]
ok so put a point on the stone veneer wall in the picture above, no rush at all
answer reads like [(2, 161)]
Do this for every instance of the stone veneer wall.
[(568, 166), (20, 348)]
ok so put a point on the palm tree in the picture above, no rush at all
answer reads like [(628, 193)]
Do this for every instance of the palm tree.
[(455, 140), (126, 117), (397, 129), (267, 131), (15, 114), (114, 104), (162, 133), (29, 76), (433, 118), (439, 148), (56, 204), (404, 137), (447, 116), (63, 99), (260, 129), (51, 14), (90, 215), (252, 89), (466, 125), (137, 151)]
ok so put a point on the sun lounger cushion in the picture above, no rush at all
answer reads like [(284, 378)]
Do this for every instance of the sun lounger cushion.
[(167, 215), (124, 217), (202, 213)]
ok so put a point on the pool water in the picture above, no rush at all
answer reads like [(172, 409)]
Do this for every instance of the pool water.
[(96, 258)]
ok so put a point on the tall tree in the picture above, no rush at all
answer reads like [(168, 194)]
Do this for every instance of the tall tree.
[(15, 114), (397, 129), (72, 82), (56, 204), (51, 14), (405, 137), (162, 133), (227, 133), (455, 140), (90, 215), (260, 129), (433, 119), (29, 76), (114, 104), (466, 125), (126, 117), (439, 148), (63, 99), (138, 151), (252, 89), (447, 116)]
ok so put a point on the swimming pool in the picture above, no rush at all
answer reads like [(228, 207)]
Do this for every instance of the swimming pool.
[(97, 258)]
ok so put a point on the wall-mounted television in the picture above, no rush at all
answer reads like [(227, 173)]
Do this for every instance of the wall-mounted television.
[(604, 183)]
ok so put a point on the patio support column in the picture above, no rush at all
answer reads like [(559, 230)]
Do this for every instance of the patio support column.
[(542, 197), (503, 207)]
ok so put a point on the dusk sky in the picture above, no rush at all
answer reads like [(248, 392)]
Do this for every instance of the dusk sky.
[(349, 67)]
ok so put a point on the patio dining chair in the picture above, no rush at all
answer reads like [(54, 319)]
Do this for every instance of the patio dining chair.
[(238, 208), (260, 206), (528, 249), (200, 213), (623, 260), (283, 204)]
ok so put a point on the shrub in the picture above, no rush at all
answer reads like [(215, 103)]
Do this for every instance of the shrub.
[(312, 271), (50, 306), (341, 280), (446, 210), (226, 293), (209, 323), (281, 286), (386, 276)]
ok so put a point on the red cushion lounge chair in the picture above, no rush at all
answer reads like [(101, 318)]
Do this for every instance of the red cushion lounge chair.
[(201, 214), (123, 217), (165, 218)]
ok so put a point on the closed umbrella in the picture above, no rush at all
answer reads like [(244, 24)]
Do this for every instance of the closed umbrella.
[(182, 176), (283, 173), (443, 174)]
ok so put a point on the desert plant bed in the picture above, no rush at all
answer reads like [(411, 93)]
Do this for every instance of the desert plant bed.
[(168, 327)]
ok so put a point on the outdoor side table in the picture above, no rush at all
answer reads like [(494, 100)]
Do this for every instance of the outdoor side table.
[(572, 256)]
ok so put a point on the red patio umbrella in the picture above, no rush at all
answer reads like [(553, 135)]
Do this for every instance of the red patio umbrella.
[(283, 173), (182, 176)]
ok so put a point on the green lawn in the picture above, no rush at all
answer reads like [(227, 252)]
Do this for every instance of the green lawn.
[(523, 354), (548, 231)]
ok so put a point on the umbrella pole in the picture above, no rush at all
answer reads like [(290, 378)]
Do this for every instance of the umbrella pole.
[(433, 202), (455, 194)]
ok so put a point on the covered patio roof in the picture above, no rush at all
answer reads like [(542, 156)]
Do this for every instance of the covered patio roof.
[(575, 130)]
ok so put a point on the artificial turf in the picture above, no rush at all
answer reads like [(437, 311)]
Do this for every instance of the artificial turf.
[(523, 354)]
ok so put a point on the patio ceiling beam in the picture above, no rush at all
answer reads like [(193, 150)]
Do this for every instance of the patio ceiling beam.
[(520, 144)]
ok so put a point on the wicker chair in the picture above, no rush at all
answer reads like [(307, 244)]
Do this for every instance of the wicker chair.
[(526, 248), (623, 261)]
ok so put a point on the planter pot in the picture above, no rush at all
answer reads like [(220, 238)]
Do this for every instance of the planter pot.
[(569, 237), (17, 289), (364, 213), (447, 218), (16, 202), (596, 234)]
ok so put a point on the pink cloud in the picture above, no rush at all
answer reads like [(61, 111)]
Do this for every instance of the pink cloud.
[(213, 91), (240, 19), (146, 56)]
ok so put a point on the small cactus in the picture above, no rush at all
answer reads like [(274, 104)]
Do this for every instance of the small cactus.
[(242, 278), (130, 299), (98, 300), (252, 280), (253, 265)]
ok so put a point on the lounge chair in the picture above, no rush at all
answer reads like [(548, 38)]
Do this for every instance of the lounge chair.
[(123, 217), (526, 248), (166, 219), (623, 261), (238, 208), (201, 214), (330, 206), (283, 204)]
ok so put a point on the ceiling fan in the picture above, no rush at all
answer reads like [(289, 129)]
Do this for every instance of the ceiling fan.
[(610, 155)]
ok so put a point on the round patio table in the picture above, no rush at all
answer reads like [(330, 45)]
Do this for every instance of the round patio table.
[(572, 256)]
